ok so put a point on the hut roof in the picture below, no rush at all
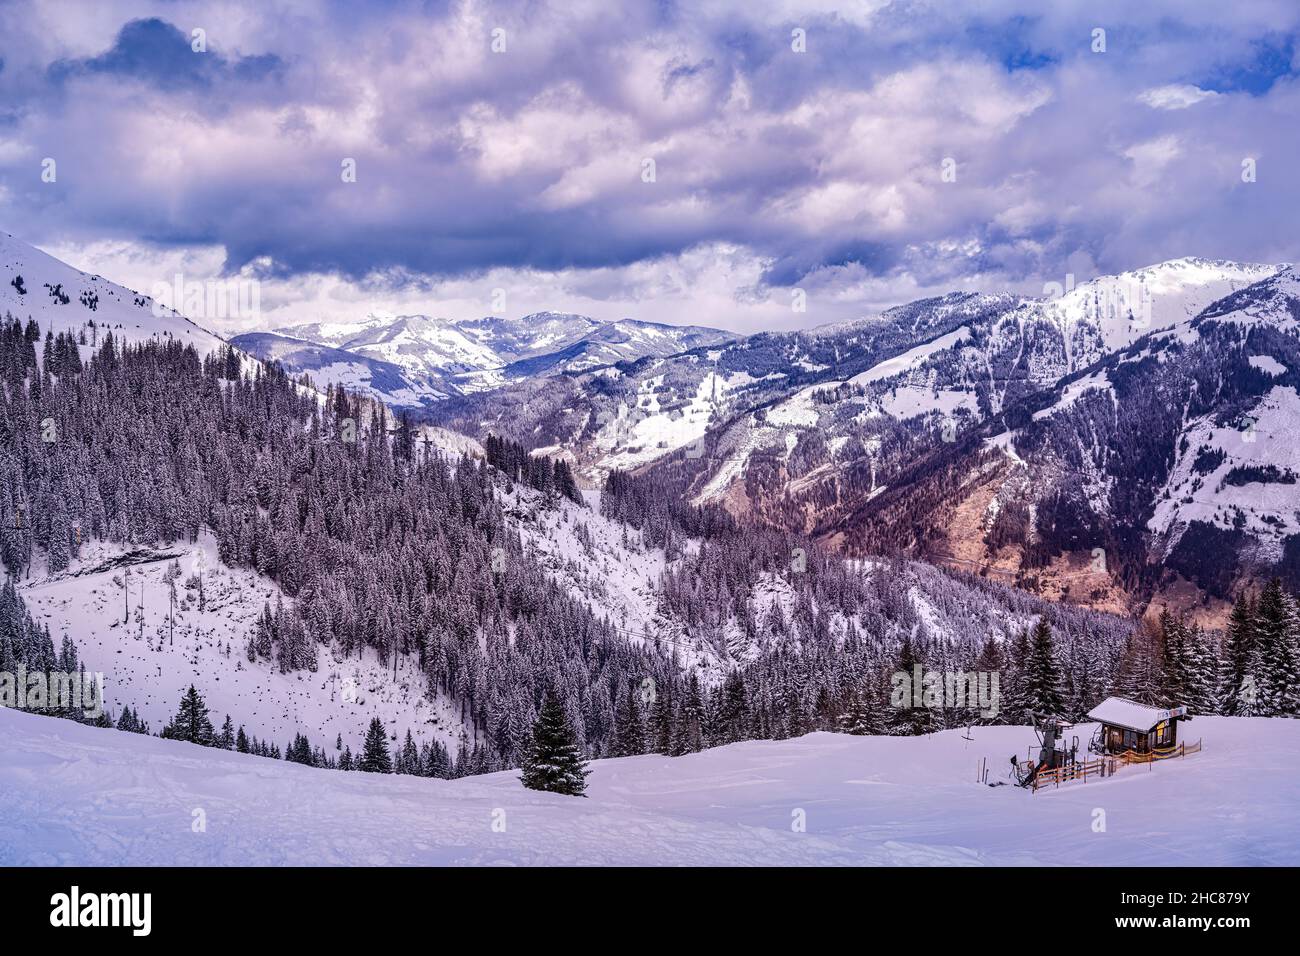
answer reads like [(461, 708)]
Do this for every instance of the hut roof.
[(1118, 712)]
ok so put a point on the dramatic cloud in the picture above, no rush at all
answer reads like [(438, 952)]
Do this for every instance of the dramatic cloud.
[(682, 162)]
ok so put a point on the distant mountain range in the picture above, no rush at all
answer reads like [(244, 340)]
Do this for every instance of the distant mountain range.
[(409, 360), (1122, 442)]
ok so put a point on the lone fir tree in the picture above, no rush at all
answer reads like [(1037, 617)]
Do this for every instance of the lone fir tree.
[(553, 760), (191, 721), (374, 756)]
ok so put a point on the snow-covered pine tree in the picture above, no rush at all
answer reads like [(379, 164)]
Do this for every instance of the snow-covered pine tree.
[(226, 739), (864, 714), (408, 760), (688, 720), (1139, 676), (1042, 673), (661, 721), (1015, 708), (435, 761), (1279, 669), (1174, 664), (553, 760), (191, 722), (1238, 684), (629, 733), (733, 711), (908, 716), (374, 755), (1201, 695)]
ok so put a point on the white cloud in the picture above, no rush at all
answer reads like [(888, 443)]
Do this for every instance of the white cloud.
[(1175, 96)]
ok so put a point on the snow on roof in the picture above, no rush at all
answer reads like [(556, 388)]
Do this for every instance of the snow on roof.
[(1119, 712)]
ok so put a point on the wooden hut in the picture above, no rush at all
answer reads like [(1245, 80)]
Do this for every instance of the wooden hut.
[(1127, 725)]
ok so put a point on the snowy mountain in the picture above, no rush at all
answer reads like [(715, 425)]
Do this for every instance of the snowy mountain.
[(1167, 456), (838, 432), (91, 797), (436, 358), (34, 285)]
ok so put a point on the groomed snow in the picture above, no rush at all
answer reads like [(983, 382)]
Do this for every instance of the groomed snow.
[(79, 795)]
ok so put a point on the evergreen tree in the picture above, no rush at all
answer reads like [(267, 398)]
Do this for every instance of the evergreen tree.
[(191, 722), (907, 714), (1174, 653), (734, 719), (1042, 675), (408, 760), (1015, 704), (863, 715), (661, 722), (688, 721), (992, 661), (226, 739), (1200, 694), (436, 761), (1239, 687), (374, 755), (1279, 675), (629, 734), (553, 760)]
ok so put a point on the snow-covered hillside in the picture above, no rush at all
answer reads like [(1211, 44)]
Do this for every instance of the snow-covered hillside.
[(63, 299), (85, 796), (116, 605)]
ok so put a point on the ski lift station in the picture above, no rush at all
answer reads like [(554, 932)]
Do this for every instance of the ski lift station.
[(1127, 733), (1128, 726)]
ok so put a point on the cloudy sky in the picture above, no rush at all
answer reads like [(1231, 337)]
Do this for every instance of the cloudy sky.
[(684, 162)]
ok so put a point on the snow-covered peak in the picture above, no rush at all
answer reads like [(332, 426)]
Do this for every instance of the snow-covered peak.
[(1122, 308), (336, 333)]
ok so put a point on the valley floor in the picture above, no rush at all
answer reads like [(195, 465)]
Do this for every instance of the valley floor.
[(79, 795)]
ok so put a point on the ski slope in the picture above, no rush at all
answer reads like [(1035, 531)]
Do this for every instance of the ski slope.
[(80, 795), (149, 651)]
